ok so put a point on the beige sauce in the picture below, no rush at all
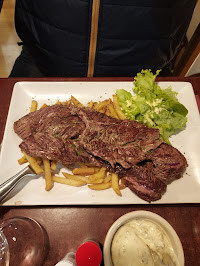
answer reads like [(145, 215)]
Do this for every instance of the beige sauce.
[(141, 242)]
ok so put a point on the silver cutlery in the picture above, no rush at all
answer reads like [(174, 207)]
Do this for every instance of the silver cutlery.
[(11, 183)]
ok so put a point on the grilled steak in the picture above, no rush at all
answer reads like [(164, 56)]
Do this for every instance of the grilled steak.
[(134, 151), (149, 178), (53, 120), (116, 141), (52, 133), (169, 163), (142, 181)]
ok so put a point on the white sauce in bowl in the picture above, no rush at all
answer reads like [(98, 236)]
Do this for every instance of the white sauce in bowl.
[(141, 242)]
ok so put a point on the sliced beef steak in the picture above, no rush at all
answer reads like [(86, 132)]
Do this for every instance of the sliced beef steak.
[(116, 141), (48, 147), (52, 133), (169, 163), (142, 181), (134, 151), (55, 120)]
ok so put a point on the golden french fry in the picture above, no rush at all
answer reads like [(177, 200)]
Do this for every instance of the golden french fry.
[(90, 104), (67, 103), (101, 105), (47, 174), (82, 178), (97, 181), (76, 177), (107, 179), (99, 175), (22, 160), (103, 110), (112, 111), (118, 110), (53, 165), (115, 184), (67, 181), (116, 102), (76, 102), (120, 114), (33, 164), (94, 104), (101, 186), (85, 170), (43, 106), (108, 112), (33, 106)]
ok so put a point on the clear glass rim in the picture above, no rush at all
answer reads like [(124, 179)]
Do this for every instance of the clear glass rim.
[(6, 247), (31, 222)]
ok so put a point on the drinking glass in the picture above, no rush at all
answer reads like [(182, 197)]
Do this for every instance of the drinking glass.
[(25, 241), (4, 251)]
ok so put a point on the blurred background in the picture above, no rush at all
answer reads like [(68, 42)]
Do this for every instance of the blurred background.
[(9, 49), (186, 63)]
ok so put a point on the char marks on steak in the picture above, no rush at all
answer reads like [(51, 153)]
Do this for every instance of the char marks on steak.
[(52, 133), (116, 141), (134, 151), (142, 181), (55, 120), (169, 163)]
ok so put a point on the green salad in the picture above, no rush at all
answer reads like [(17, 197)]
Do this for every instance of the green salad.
[(153, 106)]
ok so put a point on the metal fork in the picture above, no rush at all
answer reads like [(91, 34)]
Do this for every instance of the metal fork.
[(11, 183)]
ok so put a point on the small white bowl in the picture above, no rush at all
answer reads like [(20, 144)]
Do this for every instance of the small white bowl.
[(168, 229)]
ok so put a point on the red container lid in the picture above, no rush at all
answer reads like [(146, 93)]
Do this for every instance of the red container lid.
[(88, 254)]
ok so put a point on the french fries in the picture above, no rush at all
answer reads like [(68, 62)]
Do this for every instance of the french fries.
[(99, 175), (115, 184), (76, 177), (33, 106), (112, 111), (43, 106), (66, 181), (83, 178), (107, 179), (101, 186), (33, 164), (22, 160), (76, 102), (96, 178), (54, 165), (99, 106), (47, 174), (90, 104), (118, 110), (85, 170)]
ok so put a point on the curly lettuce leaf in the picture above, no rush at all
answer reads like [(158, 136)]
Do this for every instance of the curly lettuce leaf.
[(153, 106)]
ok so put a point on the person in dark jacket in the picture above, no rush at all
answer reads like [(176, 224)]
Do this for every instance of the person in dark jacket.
[(1, 4), (99, 38)]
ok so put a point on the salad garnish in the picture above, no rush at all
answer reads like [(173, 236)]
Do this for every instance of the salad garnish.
[(153, 106)]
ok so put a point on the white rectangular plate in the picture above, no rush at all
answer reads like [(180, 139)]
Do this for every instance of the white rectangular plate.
[(31, 191)]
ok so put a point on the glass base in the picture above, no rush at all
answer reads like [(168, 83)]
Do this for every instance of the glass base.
[(27, 240)]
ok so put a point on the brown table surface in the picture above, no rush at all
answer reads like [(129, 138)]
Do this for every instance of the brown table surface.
[(68, 226)]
